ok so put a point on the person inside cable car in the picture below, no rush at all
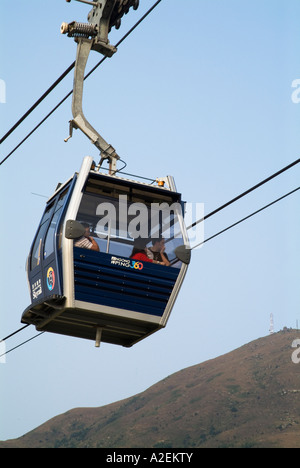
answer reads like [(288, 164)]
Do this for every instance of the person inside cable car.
[(139, 252), (87, 241), (157, 251)]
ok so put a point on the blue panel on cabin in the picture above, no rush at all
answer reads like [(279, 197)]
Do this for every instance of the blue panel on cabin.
[(121, 282)]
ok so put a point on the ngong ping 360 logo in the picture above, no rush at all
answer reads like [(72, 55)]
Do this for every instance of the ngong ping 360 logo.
[(127, 263)]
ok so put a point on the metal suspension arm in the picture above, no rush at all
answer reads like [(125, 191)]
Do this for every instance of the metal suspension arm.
[(79, 121), (104, 15)]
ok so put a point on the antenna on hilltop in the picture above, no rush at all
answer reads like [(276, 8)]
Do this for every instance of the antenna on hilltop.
[(271, 324)]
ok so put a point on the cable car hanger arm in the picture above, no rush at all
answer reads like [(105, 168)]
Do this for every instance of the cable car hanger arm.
[(79, 120), (94, 36)]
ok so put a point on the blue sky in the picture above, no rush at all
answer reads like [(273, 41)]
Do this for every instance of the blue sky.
[(202, 90)]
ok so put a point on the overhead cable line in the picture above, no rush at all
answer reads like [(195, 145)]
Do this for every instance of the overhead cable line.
[(247, 217), (21, 344), (70, 93), (27, 113), (14, 333), (284, 169)]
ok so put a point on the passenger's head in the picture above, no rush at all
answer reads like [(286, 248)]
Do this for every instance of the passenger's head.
[(158, 242), (87, 229), (139, 245)]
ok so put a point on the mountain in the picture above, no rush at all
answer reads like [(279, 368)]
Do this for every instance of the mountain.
[(249, 397)]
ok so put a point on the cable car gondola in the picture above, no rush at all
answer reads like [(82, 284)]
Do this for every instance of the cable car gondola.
[(105, 295), (102, 293)]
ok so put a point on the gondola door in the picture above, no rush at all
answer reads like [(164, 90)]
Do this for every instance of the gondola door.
[(35, 261), (44, 271)]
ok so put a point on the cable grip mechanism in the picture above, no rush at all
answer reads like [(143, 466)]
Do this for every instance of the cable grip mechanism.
[(75, 29)]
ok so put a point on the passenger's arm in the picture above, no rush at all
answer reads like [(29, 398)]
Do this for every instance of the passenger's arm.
[(95, 246), (165, 260)]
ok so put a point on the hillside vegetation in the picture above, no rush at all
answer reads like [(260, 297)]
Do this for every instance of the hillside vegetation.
[(249, 397)]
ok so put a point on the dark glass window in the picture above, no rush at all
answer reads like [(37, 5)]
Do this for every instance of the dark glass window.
[(116, 215), (50, 237), (37, 246)]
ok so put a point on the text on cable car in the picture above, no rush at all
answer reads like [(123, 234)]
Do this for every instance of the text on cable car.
[(36, 288), (127, 263)]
